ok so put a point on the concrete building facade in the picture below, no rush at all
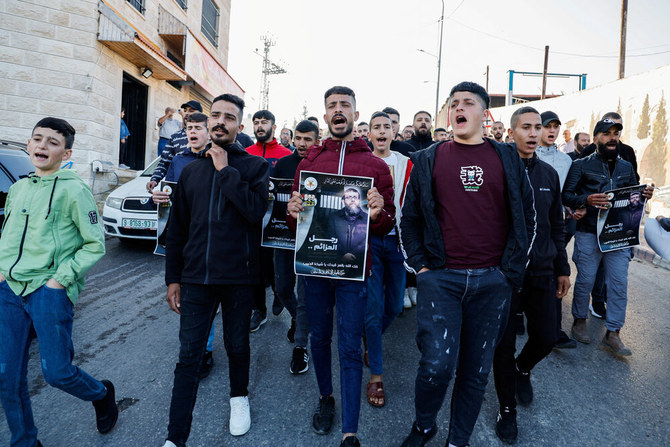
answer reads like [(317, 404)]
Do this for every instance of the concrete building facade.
[(83, 60)]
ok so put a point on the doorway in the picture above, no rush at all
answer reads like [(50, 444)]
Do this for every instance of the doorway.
[(134, 96)]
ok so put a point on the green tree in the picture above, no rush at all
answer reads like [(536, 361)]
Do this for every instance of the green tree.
[(645, 126), (657, 147)]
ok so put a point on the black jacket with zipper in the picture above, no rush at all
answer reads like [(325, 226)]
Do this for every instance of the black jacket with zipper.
[(214, 233), (591, 175), (421, 235), (548, 255)]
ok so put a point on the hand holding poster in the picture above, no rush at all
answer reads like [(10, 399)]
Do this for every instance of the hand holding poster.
[(332, 230), (276, 233), (619, 225), (163, 216)]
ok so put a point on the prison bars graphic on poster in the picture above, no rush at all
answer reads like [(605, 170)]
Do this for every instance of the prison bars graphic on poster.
[(332, 230), (276, 233)]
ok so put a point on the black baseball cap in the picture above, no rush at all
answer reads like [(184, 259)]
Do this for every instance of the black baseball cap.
[(192, 104), (548, 117), (605, 125)]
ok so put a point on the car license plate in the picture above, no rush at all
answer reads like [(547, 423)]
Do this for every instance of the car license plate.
[(139, 223)]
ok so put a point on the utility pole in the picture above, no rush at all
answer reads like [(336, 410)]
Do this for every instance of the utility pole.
[(439, 64), (269, 68), (622, 46), (544, 72)]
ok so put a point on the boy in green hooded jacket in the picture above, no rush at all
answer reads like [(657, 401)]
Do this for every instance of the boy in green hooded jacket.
[(50, 238)]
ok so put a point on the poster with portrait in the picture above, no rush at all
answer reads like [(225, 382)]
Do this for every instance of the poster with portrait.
[(332, 230), (276, 233), (163, 216), (619, 225)]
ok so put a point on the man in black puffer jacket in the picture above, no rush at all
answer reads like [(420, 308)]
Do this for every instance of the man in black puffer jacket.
[(588, 180), (547, 278), (212, 259)]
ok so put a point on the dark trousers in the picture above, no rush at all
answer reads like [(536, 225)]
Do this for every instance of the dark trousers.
[(538, 300), (268, 278), (198, 308), (460, 317)]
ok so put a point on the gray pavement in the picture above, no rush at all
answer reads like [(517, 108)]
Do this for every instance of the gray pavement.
[(125, 332)]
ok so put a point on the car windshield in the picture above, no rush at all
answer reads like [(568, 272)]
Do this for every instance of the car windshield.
[(148, 172), (17, 164)]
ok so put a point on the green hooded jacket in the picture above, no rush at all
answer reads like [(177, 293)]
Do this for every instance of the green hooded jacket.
[(51, 230)]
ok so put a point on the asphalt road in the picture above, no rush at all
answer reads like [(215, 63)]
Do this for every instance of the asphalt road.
[(125, 332)]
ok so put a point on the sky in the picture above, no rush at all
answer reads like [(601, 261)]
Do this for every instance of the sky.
[(373, 47)]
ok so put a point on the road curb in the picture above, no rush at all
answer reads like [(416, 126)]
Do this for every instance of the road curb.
[(645, 254)]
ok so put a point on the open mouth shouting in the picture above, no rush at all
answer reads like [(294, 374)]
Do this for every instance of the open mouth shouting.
[(219, 131), (381, 141), (461, 120), (339, 120), (611, 145), (41, 156), (531, 144)]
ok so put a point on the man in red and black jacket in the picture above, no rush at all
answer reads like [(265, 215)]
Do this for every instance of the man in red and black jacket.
[(344, 155), (267, 147)]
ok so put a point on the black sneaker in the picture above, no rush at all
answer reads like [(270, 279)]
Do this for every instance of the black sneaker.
[(322, 421), (506, 428), (300, 361), (258, 319), (598, 310), (565, 342), (207, 365), (418, 437), (524, 389), (290, 335), (277, 306), (106, 411), (350, 441)]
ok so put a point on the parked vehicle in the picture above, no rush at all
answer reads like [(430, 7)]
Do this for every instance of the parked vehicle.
[(128, 212), (14, 165)]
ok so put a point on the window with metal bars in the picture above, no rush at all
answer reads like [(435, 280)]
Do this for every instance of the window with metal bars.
[(137, 4), (210, 21), (182, 3)]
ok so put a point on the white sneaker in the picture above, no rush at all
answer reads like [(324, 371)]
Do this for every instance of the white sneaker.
[(412, 294), (408, 302), (169, 444), (240, 416)]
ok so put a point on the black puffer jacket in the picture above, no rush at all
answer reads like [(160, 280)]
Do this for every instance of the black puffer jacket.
[(419, 143), (421, 235), (214, 233), (548, 255), (591, 175)]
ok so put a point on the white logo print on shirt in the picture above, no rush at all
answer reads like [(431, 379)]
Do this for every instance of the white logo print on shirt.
[(472, 177)]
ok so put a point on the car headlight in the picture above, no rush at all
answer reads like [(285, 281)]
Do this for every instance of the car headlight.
[(114, 202)]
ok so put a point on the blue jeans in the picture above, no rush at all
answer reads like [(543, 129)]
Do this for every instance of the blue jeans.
[(321, 295), (461, 315), (586, 257), (285, 282), (50, 312), (162, 142), (198, 308), (386, 289)]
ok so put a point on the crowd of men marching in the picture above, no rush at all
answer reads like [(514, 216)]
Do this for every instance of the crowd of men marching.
[(469, 228)]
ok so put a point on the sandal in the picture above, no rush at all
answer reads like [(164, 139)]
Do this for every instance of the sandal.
[(375, 394)]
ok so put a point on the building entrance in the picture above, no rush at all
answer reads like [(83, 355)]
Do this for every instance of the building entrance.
[(134, 101)]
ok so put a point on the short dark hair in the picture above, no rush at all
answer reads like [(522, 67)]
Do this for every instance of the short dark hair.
[(422, 111), (611, 115), (197, 117), (362, 123), (59, 125), (239, 102), (440, 129), (305, 126), (472, 87), (496, 122), (312, 118), (514, 120), (339, 90), (391, 111), (289, 131), (578, 134), (378, 114), (264, 114)]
